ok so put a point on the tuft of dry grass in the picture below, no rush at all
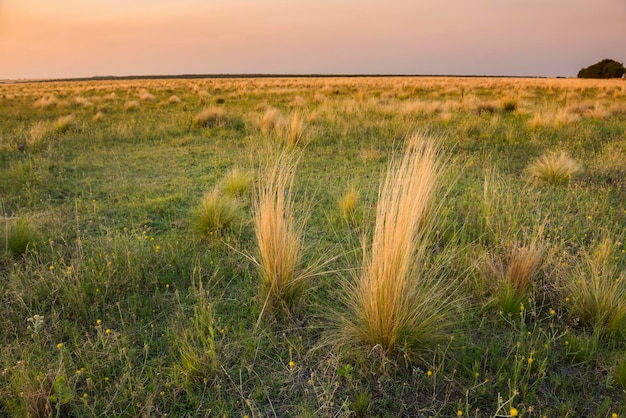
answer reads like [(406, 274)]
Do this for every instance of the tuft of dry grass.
[(83, 102), (174, 99), (296, 130), (46, 102), (394, 303), (145, 95), (270, 120), (279, 235), (131, 105), (210, 117), (518, 266), (64, 123), (348, 203), (555, 168)]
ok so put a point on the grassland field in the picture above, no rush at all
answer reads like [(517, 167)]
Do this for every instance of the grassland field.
[(127, 290)]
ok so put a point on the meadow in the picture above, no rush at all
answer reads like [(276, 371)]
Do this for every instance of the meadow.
[(388, 246)]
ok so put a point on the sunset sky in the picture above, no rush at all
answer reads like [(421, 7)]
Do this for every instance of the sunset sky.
[(84, 38)]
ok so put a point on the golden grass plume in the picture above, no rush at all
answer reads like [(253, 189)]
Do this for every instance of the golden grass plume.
[(394, 302)]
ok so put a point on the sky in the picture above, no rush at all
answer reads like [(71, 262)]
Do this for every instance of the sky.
[(85, 38)]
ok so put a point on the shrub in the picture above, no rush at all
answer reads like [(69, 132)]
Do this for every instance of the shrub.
[(554, 169), (210, 117), (394, 302), (279, 235), (215, 213)]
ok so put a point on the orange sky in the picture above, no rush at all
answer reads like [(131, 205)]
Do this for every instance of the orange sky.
[(82, 38)]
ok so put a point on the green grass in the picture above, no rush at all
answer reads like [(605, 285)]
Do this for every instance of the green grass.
[(111, 306)]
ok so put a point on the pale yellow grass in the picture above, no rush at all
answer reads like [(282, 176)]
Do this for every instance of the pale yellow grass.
[(279, 235), (394, 303)]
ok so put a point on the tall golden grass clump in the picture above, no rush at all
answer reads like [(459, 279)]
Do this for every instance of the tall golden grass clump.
[(519, 265), (210, 117), (512, 273), (597, 289), (46, 102), (174, 99), (145, 95), (296, 130), (270, 120), (83, 101), (555, 168), (131, 105), (64, 123), (279, 235), (395, 302), (348, 203)]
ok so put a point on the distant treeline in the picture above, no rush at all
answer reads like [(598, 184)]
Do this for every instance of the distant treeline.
[(201, 76)]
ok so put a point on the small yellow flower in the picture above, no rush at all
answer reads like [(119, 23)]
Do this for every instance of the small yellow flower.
[(476, 374), (60, 346), (552, 312), (107, 331), (567, 299), (106, 378), (98, 321), (530, 360), (513, 412), (429, 373), (292, 364), (613, 415), (85, 395), (459, 413), (52, 267), (521, 307)]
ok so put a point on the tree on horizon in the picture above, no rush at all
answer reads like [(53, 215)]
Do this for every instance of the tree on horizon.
[(607, 68)]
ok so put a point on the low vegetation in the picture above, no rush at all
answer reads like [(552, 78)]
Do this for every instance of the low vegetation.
[(290, 247)]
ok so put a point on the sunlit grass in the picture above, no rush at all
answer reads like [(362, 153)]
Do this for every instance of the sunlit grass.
[(394, 302), (556, 168), (279, 237)]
